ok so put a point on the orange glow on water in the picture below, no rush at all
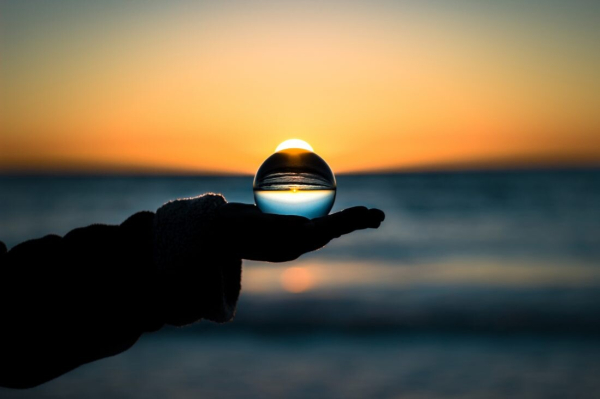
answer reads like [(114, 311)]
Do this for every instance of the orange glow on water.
[(297, 279), (333, 275)]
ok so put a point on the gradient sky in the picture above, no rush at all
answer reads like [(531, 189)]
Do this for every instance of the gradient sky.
[(193, 86)]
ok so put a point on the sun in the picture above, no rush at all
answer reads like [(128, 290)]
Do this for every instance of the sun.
[(294, 143)]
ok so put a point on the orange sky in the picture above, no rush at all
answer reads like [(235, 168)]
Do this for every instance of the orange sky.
[(199, 87)]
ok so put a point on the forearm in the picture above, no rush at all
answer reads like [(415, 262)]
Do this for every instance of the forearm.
[(91, 294), (67, 301)]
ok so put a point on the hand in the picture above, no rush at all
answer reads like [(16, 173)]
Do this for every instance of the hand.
[(255, 235)]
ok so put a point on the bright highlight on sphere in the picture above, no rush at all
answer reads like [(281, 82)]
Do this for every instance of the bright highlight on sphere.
[(294, 143), (295, 181)]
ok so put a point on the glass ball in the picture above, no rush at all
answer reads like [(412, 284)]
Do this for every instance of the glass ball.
[(295, 181)]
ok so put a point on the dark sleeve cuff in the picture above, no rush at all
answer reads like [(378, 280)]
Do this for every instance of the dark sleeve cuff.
[(197, 276)]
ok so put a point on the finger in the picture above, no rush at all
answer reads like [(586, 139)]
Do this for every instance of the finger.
[(321, 230), (261, 236), (348, 220)]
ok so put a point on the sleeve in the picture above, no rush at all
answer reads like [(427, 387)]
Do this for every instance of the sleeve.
[(66, 301), (201, 279)]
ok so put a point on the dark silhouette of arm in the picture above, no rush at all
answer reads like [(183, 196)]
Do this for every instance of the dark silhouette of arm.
[(66, 301)]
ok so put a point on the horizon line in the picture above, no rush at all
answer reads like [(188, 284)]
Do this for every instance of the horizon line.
[(153, 172)]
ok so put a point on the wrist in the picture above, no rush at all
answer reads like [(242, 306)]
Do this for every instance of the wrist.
[(198, 279)]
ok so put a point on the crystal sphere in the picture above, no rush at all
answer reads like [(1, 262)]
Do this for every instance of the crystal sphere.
[(295, 181)]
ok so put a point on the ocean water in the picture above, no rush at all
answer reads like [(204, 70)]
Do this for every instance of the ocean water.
[(477, 285)]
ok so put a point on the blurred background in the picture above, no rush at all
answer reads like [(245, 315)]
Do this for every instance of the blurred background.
[(473, 125)]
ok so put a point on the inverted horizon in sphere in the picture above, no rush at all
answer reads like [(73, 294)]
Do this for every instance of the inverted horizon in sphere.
[(294, 143), (308, 203), (294, 181)]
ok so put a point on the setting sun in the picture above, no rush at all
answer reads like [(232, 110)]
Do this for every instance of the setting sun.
[(294, 143)]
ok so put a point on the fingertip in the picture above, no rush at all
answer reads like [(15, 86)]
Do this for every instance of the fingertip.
[(374, 218), (377, 214), (348, 220), (360, 217)]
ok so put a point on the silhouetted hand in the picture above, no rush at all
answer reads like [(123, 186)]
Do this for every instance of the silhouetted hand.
[(255, 235), (98, 288)]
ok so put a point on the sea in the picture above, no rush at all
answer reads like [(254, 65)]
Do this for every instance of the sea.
[(479, 284)]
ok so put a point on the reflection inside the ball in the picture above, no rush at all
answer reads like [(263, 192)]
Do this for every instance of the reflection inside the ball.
[(295, 181), (307, 203)]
